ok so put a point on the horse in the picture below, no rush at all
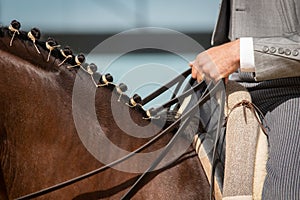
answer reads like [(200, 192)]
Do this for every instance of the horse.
[(39, 142)]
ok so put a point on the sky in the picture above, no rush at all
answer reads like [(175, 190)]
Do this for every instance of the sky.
[(107, 16)]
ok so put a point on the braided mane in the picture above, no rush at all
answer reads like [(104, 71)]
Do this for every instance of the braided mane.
[(44, 54), (49, 56)]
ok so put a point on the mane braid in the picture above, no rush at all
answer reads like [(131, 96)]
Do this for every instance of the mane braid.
[(56, 59)]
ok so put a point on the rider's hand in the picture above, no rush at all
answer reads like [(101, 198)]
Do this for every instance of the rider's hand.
[(217, 62)]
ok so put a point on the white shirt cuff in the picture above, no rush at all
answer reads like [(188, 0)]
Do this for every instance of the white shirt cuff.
[(247, 63)]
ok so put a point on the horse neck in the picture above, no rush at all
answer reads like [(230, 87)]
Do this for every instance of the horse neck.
[(36, 89), (27, 76), (36, 120), (35, 114), (27, 86)]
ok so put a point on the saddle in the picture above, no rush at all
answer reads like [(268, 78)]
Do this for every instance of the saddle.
[(239, 167)]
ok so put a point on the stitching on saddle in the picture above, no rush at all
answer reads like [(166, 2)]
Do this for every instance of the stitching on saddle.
[(255, 110)]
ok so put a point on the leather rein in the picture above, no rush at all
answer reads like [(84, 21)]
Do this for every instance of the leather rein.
[(185, 118)]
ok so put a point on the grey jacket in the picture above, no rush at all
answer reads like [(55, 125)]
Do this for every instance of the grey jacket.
[(274, 26)]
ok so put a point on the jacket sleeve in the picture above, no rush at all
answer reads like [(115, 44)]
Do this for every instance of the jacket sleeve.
[(277, 57)]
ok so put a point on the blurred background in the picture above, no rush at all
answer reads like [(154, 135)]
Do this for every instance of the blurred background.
[(85, 24)]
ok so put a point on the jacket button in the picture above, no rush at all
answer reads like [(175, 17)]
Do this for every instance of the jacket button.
[(295, 53), (272, 49), (265, 49), (287, 52), (281, 50)]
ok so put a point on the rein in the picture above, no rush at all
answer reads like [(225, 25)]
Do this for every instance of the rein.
[(94, 172), (215, 159), (186, 117), (167, 105), (179, 80)]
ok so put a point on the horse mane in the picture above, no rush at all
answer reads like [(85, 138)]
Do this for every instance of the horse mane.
[(49, 56), (10, 39)]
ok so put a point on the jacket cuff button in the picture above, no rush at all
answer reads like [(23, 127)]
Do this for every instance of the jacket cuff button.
[(272, 49), (295, 53), (281, 50), (287, 52), (265, 49)]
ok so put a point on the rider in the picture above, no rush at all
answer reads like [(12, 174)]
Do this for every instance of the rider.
[(257, 43)]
